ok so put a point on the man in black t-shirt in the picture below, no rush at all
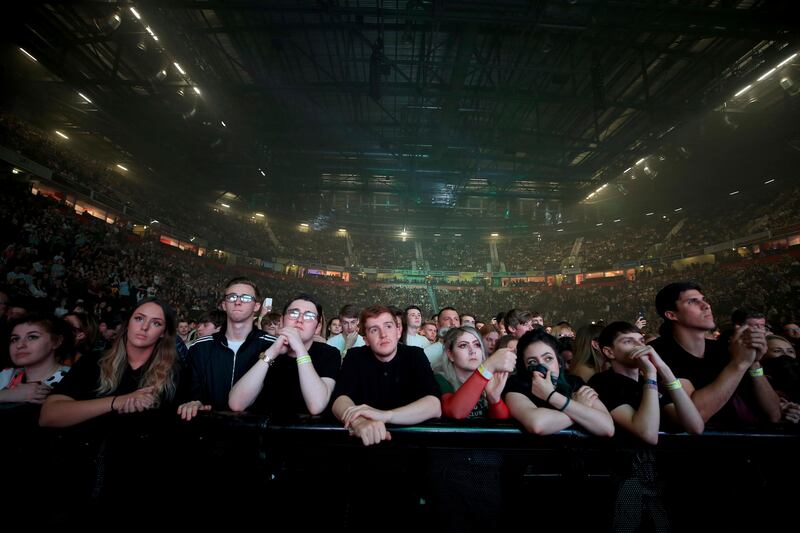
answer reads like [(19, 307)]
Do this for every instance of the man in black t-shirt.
[(726, 383), (295, 375), (384, 382)]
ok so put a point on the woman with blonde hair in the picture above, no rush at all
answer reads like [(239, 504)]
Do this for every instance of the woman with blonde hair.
[(471, 383)]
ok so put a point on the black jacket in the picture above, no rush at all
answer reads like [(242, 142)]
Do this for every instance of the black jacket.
[(215, 368)]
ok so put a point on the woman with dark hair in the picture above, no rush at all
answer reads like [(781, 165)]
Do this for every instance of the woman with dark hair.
[(139, 372), (34, 345), (84, 333), (334, 327), (783, 371), (587, 360), (544, 398)]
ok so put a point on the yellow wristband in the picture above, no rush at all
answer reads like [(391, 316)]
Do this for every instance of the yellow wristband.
[(757, 373), (302, 360), (485, 373), (673, 385)]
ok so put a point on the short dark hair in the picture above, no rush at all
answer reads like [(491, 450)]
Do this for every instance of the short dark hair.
[(503, 341), (371, 312), (410, 307), (516, 317), (741, 315), (613, 330), (308, 298), (348, 311), (273, 317), (241, 280), (667, 298), (216, 317)]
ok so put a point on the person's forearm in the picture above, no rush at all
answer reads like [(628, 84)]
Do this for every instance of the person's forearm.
[(7, 395), (246, 390), (316, 392), (499, 411), (647, 418), (460, 404), (686, 415), (340, 405), (595, 421), (62, 411), (710, 399), (418, 411), (767, 398)]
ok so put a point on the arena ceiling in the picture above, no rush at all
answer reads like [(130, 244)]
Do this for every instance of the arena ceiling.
[(426, 100)]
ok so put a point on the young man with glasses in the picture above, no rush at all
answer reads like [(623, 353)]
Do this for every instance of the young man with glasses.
[(219, 360), (296, 374)]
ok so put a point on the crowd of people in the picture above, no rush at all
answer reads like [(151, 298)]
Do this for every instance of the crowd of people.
[(269, 239), (117, 332)]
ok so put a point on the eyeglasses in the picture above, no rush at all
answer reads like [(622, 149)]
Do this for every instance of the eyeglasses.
[(244, 298), (294, 314)]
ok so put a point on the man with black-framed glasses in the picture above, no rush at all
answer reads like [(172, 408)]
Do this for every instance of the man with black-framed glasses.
[(220, 360), (296, 374)]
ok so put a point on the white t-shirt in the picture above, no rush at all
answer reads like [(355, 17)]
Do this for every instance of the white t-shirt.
[(417, 340), (434, 352), (235, 345), (338, 342)]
